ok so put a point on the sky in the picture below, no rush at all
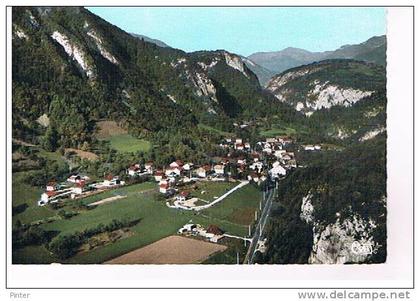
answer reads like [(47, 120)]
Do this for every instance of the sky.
[(248, 30)]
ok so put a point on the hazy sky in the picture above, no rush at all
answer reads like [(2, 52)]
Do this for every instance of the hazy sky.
[(248, 30)]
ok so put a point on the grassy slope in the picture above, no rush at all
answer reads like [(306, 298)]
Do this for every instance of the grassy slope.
[(212, 190), (239, 207), (126, 143)]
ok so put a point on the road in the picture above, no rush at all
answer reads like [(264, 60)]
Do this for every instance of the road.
[(259, 229)]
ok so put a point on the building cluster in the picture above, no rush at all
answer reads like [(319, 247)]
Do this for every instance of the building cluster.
[(256, 163), (212, 233), (75, 187), (268, 158)]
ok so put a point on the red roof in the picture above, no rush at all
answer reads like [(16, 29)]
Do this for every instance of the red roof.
[(109, 177), (81, 183), (158, 173), (185, 193), (214, 230), (164, 185), (51, 193)]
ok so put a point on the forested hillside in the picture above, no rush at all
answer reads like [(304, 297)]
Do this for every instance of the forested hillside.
[(73, 68)]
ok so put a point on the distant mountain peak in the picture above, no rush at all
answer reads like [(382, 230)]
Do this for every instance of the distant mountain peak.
[(371, 50), (150, 40)]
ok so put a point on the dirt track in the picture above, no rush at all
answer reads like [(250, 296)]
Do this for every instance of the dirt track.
[(108, 200), (170, 250)]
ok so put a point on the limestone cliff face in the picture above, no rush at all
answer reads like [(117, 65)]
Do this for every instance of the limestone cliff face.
[(348, 240)]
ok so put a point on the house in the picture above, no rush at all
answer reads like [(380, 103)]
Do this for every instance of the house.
[(267, 149), (292, 163), (238, 141), (188, 228), (149, 167), (164, 188), (177, 163), (51, 186), (203, 171), (255, 157), (284, 140), (277, 171), (182, 196), (254, 177), (317, 147), (46, 197), (309, 147), (239, 146), (188, 166), (158, 175), (247, 145), (279, 153), (173, 171), (257, 166), (134, 170), (271, 140), (286, 157), (224, 161), (77, 178), (241, 161), (111, 181), (214, 233), (78, 189), (228, 140), (219, 169)]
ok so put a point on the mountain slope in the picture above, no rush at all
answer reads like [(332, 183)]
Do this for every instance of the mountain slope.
[(372, 50), (150, 40), (69, 60)]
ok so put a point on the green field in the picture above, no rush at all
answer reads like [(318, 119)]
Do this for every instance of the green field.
[(276, 131), (212, 190), (214, 130), (239, 207), (22, 194), (156, 221), (125, 143)]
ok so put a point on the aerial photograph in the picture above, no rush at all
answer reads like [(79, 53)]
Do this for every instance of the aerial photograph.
[(199, 135)]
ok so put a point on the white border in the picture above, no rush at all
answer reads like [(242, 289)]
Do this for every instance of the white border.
[(397, 272)]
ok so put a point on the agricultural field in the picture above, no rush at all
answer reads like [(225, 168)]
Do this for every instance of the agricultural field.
[(277, 131), (126, 143), (119, 138), (214, 130), (156, 221), (209, 191), (171, 250), (239, 207)]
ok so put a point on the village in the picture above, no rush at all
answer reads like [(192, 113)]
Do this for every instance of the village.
[(182, 185)]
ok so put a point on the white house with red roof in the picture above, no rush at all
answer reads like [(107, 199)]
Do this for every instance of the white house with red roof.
[(149, 167), (134, 170), (158, 175)]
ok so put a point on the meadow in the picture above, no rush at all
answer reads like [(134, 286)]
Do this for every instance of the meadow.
[(156, 221)]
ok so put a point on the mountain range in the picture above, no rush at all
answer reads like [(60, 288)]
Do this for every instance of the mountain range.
[(373, 50), (71, 69)]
